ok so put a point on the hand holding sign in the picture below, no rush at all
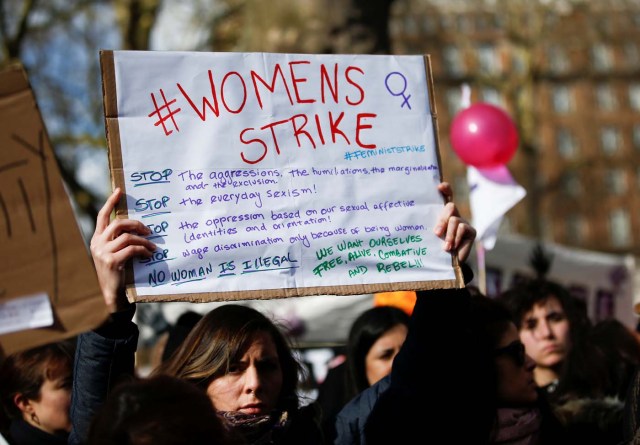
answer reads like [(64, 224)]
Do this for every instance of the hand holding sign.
[(112, 245)]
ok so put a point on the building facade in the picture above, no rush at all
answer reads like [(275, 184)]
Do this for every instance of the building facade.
[(568, 72)]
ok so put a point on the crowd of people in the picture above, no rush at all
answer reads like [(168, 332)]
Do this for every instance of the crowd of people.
[(525, 367)]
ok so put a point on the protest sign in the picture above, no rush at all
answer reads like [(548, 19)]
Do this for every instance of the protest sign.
[(273, 175), (48, 286)]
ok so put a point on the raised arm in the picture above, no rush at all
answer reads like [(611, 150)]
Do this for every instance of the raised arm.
[(434, 371), (420, 367), (106, 355)]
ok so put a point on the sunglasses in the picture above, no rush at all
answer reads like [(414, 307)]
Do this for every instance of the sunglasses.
[(514, 350)]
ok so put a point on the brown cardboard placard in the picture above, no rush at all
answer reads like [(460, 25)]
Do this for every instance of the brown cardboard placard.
[(43, 250), (143, 83)]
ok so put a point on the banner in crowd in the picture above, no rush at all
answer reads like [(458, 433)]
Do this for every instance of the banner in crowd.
[(604, 281)]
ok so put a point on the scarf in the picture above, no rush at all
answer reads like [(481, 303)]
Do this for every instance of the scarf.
[(256, 429), (517, 426)]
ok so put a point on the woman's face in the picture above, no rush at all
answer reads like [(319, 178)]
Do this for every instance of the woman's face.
[(253, 383), (514, 369), (381, 354), (545, 333), (52, 408)]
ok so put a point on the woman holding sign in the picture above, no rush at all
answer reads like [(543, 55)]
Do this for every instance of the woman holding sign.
[(235, 354), (481, 389)]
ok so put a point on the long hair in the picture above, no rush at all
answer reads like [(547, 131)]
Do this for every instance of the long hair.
[(366, 329), (219, 339)]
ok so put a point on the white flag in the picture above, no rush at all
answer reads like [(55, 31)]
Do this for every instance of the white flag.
[(492, 192)]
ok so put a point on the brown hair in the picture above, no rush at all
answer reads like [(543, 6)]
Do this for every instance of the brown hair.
[(24, 372), (220, 339), (159, 410)]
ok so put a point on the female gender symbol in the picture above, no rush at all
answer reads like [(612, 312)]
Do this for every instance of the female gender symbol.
[(401, 93)]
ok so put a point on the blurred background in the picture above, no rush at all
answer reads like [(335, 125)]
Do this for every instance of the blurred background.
[(567, 72)]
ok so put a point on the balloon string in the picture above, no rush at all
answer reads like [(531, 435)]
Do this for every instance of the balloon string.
[(482, 278)]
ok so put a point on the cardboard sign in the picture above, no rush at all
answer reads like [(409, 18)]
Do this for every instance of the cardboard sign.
[(273, 175), (47, 279)]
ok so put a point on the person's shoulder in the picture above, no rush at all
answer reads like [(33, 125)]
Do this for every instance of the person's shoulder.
[(363, 403)]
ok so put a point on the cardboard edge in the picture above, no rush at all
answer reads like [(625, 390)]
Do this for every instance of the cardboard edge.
[(114, 148), (270, 294), (436, 134), (112, 129)]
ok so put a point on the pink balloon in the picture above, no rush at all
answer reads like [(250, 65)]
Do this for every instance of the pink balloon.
[(484, 136)]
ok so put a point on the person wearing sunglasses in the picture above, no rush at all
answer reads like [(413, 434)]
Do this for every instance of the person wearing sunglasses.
[(571, 360), (462, 374)]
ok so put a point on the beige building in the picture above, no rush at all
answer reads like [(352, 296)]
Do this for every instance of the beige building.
[(568, 72)]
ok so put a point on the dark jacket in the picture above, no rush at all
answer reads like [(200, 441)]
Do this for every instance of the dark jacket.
[(631, 418), (349, 424), (104, 358), (21, 433), (434, 382)]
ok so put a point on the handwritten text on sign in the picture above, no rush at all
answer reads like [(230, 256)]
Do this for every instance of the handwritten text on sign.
[(279, 171)]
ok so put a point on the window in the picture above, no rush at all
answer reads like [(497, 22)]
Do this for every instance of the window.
[(636, 136), (619, 228), (488, 59), (571, 185), (465, 23), (453, 61), (518, 62), (631, 54), (615, 181), (483, 22), (606, 98), (610, 140), (429, 24), (558, 60), (546, 226), (410, 27), (492, 96), (575, 229), (601, 57), (454, 101), (445, 22), (562, 99), (634, 96), (567, 146)]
